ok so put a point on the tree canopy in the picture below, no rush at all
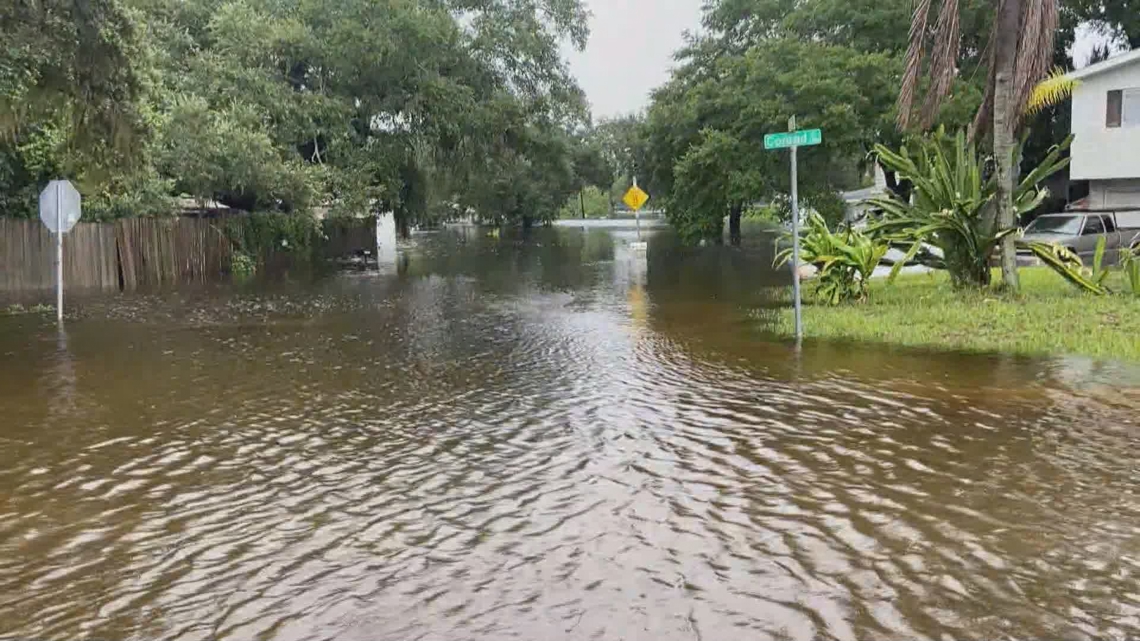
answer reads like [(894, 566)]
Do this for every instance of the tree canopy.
[(835, 64), (424, 107), (832, 64)]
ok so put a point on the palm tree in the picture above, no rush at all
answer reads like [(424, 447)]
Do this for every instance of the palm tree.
[(1019, 54)]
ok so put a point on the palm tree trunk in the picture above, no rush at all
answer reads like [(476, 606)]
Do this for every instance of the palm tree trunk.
[(1005, 119)]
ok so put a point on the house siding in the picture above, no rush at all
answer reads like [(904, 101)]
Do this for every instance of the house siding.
[(1100, 153)]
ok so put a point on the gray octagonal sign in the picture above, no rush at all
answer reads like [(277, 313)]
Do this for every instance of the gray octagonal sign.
[(59, 206)]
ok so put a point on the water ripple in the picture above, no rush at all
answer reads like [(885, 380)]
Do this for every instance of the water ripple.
[(548, 462)]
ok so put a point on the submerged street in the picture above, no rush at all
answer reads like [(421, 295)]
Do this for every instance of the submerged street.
[(548, 439)]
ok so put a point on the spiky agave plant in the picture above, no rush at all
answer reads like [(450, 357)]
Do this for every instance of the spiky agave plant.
[(950, 204)]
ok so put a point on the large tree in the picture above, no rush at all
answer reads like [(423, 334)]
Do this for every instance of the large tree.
[(833, 64), (287, 105)]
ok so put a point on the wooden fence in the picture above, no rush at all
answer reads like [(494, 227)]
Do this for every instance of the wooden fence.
[(162, 251), (138, 253), (27, 256)]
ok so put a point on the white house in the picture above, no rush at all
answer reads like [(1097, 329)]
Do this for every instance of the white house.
[(1106, 124)]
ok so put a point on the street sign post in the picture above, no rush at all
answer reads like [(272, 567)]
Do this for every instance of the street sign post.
[(60, 209), (793, 140), (635, 199)]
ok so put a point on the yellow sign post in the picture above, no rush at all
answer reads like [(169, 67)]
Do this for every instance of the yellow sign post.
[(636, 198)]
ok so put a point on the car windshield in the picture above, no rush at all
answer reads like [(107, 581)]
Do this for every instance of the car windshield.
[(1068, 225)]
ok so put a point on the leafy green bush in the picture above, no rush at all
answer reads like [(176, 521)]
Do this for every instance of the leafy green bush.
[(259, 235), (846, 260), (242, 265), (768, 214), (597, 204), (953, 203)]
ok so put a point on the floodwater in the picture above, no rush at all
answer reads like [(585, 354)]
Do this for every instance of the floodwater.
[(548, 439)]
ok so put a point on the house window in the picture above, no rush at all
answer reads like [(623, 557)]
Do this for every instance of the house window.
[(1123, 108)]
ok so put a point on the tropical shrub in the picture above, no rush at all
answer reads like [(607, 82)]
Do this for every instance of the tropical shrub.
[(952, 207), (1068, 265), (845, 260), (1130, 262)]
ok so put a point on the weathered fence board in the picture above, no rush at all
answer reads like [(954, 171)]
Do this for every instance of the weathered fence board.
[(136, 253), (27, 256), (161, 251)]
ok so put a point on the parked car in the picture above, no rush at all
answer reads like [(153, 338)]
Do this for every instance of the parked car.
[(1079, 232)]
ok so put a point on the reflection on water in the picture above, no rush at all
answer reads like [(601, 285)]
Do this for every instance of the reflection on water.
[(548, 438)]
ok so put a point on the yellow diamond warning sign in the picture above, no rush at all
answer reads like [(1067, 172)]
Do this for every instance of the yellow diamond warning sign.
[(635, 198)]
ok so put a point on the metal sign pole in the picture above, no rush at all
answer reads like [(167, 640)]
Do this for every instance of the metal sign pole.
[(796, 242), (58, 253), (637, 213)]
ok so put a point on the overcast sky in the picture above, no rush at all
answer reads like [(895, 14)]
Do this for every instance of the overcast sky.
[(630, 50)]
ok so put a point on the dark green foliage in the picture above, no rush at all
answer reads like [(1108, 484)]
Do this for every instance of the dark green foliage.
[(422, 107), (266, 234), (706, 127)]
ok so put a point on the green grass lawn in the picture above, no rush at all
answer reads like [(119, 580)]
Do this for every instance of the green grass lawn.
[(1050, 316)]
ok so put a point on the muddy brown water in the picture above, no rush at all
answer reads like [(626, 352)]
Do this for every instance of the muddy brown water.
[(546, 439)]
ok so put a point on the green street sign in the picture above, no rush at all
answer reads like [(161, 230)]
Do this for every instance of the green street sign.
[(802, 138)]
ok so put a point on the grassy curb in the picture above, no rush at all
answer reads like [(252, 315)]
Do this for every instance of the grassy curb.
[(1049, 317)]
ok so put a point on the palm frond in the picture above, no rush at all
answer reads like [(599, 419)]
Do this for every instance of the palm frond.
[(1027, 195), (1054, 89), (1039, 20), (914, 56), (943, 60)]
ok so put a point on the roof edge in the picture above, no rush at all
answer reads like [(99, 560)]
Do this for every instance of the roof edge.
[(1107, 65)]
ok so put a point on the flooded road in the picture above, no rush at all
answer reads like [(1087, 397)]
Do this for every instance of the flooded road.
[(548, 439)]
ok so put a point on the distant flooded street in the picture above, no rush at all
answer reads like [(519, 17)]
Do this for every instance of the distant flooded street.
[(548, 438)]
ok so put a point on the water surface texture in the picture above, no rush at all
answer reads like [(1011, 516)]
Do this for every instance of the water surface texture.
[(548, 439)]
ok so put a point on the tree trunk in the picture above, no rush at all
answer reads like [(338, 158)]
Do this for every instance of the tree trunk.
[(582, 201), (734, 215), (402, 226), (1005, 119)]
